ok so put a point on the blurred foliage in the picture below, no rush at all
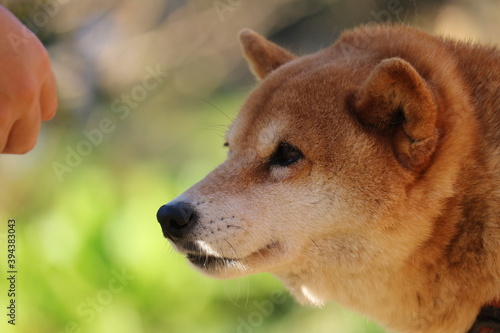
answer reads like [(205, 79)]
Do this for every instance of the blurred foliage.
[(91, 255)]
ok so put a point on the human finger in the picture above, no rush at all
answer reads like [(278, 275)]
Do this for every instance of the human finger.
[(48, 99), (5, 126), (23, 135)]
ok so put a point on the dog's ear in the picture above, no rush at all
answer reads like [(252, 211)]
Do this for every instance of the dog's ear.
[(395, 97), (262, 55)]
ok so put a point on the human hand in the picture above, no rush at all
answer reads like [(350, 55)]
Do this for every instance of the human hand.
[(28, 93)]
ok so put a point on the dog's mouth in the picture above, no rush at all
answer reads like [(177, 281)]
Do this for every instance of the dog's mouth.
[(206, 261), (210, 263)]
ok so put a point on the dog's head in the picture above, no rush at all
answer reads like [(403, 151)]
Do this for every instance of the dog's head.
[(322, 160)]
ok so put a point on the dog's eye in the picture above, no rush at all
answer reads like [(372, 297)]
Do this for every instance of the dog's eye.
[(286, 155)]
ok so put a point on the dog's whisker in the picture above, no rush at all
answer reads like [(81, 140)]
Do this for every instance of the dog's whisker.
[(228, 294), (248, 293), (215, 125), (212, 105), (320, 252), (232, 247)]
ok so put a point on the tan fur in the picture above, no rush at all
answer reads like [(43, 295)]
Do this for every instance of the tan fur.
[(394, 210)]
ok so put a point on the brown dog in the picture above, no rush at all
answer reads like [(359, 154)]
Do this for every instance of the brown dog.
[(366, 173)]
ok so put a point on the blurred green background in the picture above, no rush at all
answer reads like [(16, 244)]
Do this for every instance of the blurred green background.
[(91, 256)]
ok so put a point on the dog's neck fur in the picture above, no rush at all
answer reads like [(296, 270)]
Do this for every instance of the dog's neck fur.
[(440, 272)]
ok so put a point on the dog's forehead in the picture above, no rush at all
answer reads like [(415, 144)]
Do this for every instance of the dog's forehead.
[(283, 103), (264, 137), (264, 115)]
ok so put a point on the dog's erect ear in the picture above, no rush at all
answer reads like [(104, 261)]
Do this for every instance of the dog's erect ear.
[(262, 55), (395, 96)]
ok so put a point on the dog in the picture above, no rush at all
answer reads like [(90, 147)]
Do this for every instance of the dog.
[(366, 173)]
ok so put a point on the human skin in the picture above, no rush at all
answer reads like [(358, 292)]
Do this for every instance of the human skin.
[(28, 92)]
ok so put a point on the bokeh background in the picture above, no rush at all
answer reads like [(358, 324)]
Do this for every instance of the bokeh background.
[(147, 90)]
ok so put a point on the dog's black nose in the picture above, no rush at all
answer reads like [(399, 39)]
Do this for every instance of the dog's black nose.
[(176, 219)]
